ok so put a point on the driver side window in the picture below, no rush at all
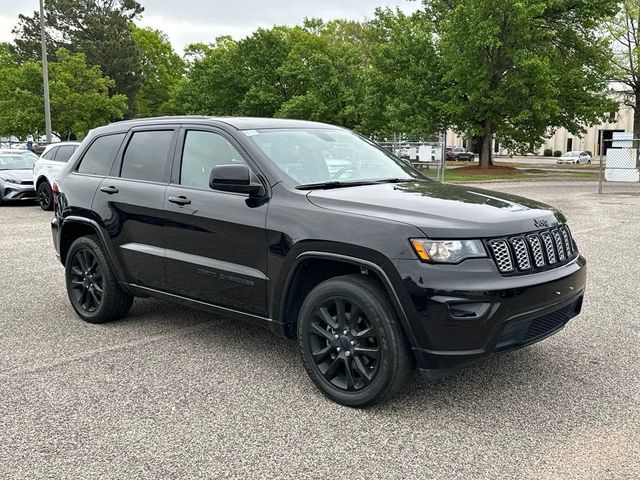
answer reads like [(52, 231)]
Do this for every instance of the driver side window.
[(202, 151)]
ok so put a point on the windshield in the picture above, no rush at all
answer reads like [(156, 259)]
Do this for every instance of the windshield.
[(317, 156), (571, 154), (17, 162)]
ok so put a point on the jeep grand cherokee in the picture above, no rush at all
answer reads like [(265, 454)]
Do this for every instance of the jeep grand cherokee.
[(317, 234)]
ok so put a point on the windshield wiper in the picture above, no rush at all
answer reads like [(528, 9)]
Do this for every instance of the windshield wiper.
[(395, 180), (333, 184)]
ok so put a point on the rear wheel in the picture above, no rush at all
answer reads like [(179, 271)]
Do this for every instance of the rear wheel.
[(92, 287), (351, 342), (45, 196)]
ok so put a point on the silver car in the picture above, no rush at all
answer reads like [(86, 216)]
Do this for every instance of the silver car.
[(16, 177)]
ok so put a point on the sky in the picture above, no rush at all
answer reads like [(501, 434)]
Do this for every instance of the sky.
[(189, 21)]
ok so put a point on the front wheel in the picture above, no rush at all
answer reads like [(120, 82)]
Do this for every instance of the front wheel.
[(351, 342), (45, 196), (92, 287)]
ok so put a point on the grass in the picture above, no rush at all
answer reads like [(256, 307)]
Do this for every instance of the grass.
[(504, 173)]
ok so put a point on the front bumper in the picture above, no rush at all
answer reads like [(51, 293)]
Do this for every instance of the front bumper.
[(17, 192), (470, 312)]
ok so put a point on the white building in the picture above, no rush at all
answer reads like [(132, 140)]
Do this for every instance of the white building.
[(620, 121)]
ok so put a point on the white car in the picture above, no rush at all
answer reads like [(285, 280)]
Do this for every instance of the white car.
[(576, 157), (47, 169)]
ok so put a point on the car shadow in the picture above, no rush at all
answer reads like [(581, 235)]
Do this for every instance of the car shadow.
[(485, 382)]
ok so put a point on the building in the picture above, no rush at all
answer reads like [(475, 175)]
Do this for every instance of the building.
[(562, 140)]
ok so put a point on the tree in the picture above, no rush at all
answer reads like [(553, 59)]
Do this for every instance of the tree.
[(97, 28), (215, 82), (161, 69), (516, 70), (404, 81), (624, 32), (79, 95)]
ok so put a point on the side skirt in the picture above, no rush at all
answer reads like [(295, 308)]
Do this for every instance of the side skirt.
[(275, 327)]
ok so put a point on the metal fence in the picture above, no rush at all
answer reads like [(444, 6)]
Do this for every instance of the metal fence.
[(620, 166), (427, 155)]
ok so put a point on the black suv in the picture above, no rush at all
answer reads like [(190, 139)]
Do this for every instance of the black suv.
[(317, 234)]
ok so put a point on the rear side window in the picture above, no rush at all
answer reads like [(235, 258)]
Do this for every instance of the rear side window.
[(99, 157), (147, 155), (50, 154), (64, 153)]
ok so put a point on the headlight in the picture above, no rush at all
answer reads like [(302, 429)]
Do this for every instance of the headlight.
[(11, 180), (447, 251)]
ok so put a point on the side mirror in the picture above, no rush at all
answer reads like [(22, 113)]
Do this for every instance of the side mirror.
[(233, 178)]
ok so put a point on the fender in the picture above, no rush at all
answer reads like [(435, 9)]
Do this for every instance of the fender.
[(105, 244), (379, 271)]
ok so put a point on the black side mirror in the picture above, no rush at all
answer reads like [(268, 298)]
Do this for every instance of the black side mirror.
[(233, 178)]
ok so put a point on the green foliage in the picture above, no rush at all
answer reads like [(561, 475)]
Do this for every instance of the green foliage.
[(548, 152), (404, 83), (557, 153), (161, 70), (520, 69), (79, 95), (97, 28)]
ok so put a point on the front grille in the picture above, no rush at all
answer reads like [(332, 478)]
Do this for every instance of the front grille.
[(533, 252)]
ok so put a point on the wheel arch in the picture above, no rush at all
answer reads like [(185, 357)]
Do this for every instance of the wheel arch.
[(42, 178), (297, 285), (74, 227)]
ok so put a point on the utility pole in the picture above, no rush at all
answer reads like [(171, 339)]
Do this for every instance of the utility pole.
[(45, 75)]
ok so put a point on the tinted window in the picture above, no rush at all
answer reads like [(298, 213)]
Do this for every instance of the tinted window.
[(146, 155), (202, 151), (64, 153), (50, 154), (98, 159)]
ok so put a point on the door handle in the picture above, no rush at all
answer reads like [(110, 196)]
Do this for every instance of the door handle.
[(109, 190), (180, 200)]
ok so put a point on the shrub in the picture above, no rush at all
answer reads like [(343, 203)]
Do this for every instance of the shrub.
[(557, 153), (548, 152)]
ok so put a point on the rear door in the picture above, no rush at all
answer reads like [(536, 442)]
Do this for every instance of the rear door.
[(216, 241), (130, 202)]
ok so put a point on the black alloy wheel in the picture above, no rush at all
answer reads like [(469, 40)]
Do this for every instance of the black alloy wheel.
[(344, 344), (45, 196), (93, 289), (86, 280), (351, 342)]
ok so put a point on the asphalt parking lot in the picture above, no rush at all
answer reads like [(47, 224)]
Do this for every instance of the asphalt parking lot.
[(176, 393)]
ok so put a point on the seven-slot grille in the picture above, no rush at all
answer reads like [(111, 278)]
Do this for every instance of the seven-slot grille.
[(534, 251)]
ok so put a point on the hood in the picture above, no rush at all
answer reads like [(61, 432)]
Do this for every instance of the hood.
[(21, 174), (442, 211)]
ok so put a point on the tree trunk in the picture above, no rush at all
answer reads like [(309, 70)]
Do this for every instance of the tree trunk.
[(636, 122), (486, 152)]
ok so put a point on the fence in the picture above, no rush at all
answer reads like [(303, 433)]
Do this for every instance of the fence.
[(620, 166), (426, 155)]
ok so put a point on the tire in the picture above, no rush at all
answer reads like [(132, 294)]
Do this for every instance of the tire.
[(373, 347), (87, 269), (456, 158), (589, 162), (45, 196)]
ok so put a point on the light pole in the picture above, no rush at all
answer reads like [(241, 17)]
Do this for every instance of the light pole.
[(45, 75)]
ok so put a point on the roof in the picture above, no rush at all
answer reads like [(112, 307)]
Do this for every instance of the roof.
[(240, 123)]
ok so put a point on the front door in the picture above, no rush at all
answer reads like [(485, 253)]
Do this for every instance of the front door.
[(215, 241)]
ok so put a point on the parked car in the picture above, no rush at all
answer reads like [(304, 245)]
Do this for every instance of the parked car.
[(373, 268), (575, 157), (48, 167), (459, 153), (16, 183)]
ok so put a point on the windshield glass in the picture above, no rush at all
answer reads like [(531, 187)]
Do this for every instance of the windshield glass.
[(314, 156), (17, 162), (571, 154)]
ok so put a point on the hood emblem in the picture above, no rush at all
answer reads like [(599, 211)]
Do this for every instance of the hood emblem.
[(541, 223)]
